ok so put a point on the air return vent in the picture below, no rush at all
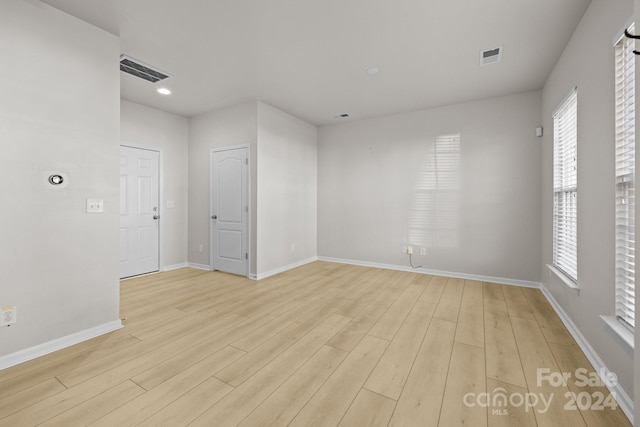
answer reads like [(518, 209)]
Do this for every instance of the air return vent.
[(491, 56), (140, 69)]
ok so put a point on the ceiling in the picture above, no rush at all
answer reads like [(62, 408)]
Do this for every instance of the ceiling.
[(309, 58)]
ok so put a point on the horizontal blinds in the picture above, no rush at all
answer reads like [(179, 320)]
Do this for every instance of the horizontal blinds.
[(565, 187), (625, 181)]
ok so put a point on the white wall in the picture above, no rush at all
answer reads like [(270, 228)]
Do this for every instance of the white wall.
[(59, 113), (588, 63), (146, 127), (287, 189), (372, 173), (220, 128), (274, 138)]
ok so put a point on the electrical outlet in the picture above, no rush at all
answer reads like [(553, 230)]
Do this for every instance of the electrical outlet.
[(95, 205), (200, 248), (404, 250), (410, 250), (8, 315), (423, 251)]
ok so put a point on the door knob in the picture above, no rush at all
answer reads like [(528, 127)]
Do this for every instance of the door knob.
[(156, 217), (214, 217)]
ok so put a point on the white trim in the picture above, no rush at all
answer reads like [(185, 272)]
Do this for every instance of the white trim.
[(620, 34), (161, 203), (563, 277), (199, 266), (57, 344), (279, 270), (124, 279), (621, 396), (564, 100), (491, 279), (620, 330), (175, 266), (230, 147)]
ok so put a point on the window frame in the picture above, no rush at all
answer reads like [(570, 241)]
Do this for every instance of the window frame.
[(565, 189), (625, 180)]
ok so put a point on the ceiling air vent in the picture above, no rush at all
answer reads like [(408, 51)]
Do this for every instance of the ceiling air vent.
[(140, 69), (491, 56)]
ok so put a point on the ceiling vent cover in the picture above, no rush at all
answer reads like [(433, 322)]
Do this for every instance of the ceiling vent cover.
[(491, 56), (140, 69)]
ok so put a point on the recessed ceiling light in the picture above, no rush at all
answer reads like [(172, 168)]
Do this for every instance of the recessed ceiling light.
[(164, 91), (372, 70)]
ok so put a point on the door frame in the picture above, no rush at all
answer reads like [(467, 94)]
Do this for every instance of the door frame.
[(249, 216), (161, 210)]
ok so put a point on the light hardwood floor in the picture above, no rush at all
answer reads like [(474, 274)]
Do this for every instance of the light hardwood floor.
[(324, 344)]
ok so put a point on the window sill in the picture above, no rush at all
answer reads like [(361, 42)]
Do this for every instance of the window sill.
[(570, 283), (619, 329)]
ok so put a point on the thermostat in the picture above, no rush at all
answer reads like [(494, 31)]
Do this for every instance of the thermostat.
[(56, 179)]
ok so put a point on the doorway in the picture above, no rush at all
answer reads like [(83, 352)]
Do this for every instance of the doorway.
[(229, 210), (139, 211)]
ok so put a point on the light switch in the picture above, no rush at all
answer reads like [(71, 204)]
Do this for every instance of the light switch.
[(95, 205), (171, 204)]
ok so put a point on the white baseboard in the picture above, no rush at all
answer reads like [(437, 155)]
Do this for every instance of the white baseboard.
[(623, 399), (57, 344), (175, 266), (279, 270), (199, 266), (491, 279)]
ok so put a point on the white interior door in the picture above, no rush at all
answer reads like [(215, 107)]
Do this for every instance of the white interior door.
[(229, 210), (139, 214)]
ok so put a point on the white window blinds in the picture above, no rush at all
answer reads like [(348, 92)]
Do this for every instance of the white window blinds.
[(565, 187), (625, 181)]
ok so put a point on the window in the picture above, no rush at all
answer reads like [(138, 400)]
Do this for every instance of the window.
[(565, 187), (625, 181)]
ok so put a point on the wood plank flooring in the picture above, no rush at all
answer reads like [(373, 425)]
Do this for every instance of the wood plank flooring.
[(325, 344)]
